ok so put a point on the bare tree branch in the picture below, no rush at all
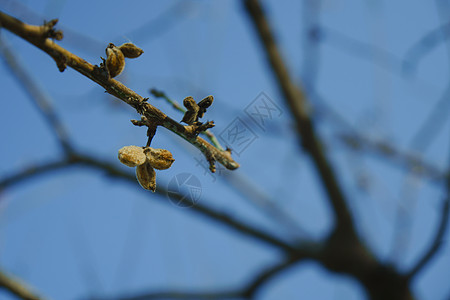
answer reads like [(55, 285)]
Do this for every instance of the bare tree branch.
[(112, 170), (17, 288), (300, 109), (425, 45), (437, 242), (39, 36), (393, 155), (249, 291)]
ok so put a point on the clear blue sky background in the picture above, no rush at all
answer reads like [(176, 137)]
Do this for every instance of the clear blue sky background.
[(76, 233)]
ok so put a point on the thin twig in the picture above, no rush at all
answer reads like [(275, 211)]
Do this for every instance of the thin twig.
[(38, 36), (212, 138)]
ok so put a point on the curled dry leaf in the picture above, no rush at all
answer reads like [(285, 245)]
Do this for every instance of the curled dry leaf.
[(146, 176), (160, 159), (132, 156)]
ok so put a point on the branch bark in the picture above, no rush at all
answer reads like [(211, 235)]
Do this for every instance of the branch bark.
[(40, 36), (17, 288)]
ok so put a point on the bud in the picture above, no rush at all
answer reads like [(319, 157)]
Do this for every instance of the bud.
[(130, 50), (204, 104), (190, 116), (160, 159), (115, 60), (132, 156), (146, 176)]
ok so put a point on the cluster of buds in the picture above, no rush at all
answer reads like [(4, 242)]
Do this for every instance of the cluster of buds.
[(194, 110), (146, 160), (115, 57)]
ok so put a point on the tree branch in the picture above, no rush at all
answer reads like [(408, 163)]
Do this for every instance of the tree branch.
[(393, 155), (17, 288), (249, 291), (300, 110), (112, 170), (437, 242), (40, 36)]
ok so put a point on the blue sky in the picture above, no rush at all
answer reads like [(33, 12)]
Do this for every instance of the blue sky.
[(78, 233)]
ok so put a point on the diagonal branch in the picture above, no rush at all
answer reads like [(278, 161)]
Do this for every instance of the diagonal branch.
[(17, 288), (300, 110), (39, 36)]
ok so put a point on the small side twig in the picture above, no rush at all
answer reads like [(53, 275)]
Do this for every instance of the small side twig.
[(212, 138)]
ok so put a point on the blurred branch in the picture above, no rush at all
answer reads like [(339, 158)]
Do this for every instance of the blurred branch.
[(300, 109), (369, 52), (435, 120), (36, 95), (304, 250), (165, 295), (151, 29), (310, 44), (343, 251), (437, 242), (264, 276), (387, 151), (243, 185), (39, 36), (424, 45), (112, 170), (248, 292), (17, 288)]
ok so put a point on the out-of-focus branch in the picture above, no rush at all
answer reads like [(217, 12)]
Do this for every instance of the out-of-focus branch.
[(174, 294), (17, 287), (39, 36), (438, 237), (112, 170), (263, 277), (249, 291), (343, 251), (424, 45), (394, 155), (300, 110), (37, 96), (433, 123), (369, 52)]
